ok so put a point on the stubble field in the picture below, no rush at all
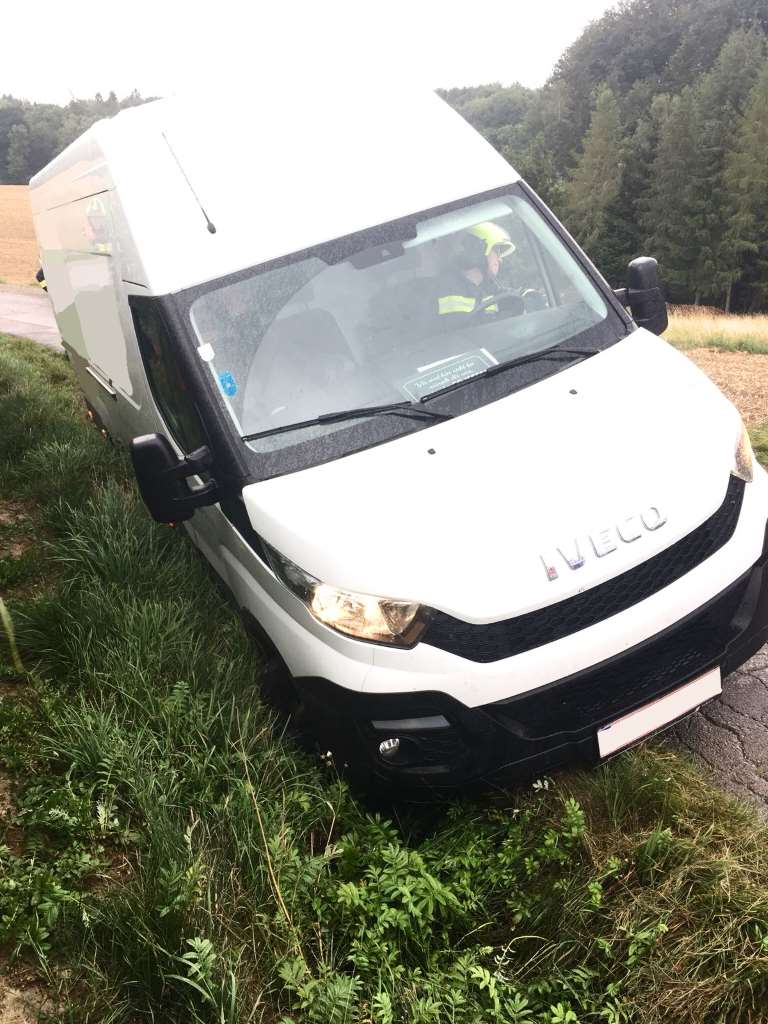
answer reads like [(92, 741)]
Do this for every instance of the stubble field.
[(18, 247)]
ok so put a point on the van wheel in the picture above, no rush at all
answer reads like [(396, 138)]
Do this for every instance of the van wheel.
[(275, 680)]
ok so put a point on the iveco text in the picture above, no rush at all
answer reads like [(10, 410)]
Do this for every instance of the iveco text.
[(604, 540)]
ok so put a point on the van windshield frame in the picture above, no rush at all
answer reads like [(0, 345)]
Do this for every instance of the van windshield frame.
[(288, 451)]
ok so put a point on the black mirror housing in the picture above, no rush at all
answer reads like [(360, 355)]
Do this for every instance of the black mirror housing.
[(643, 295), (162, 477)]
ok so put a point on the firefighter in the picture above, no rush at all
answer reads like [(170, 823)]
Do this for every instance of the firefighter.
[(472, 278), (96, 227)]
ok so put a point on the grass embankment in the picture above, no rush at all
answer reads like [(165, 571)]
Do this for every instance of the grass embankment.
[(706, 327), (170, 856)]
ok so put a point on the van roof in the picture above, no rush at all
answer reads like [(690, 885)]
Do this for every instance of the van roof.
[(274, 173)]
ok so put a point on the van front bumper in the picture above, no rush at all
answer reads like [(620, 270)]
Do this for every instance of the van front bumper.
[(444, 743)]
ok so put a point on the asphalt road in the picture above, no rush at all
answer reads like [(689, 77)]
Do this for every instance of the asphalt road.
[(27, 313), (728, 737)]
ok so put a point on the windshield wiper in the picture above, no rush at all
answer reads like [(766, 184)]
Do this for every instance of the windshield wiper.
[(576, 354), (407, 409)]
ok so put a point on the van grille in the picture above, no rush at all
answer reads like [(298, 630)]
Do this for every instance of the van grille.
[(621, 685), (496, 640)]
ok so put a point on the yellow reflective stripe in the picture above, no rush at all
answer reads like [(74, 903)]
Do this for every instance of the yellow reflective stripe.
[(463, 304), (456, 304)]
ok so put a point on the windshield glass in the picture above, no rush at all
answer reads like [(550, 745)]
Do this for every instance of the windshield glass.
[(394, 322)]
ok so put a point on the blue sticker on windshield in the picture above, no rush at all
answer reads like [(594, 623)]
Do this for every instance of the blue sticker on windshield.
[(227, 382)]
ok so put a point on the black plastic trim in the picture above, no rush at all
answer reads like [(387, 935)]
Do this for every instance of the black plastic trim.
[(229, 465)]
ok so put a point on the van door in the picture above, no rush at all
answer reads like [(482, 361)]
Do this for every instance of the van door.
[(91, 323)]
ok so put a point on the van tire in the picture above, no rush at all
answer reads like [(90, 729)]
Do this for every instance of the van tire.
[(277, 689), (274, 677)]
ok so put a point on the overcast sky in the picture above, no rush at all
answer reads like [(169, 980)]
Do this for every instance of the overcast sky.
[(53, 50)]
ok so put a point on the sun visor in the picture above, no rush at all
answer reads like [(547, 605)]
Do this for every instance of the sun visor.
[(450, 223)]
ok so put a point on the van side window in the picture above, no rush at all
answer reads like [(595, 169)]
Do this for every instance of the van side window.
[(170, 390)]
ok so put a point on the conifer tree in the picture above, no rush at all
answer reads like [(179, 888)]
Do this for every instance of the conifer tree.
[(17, 160), (595, 184), (721, 97), (675, 208), (624, 238), (534, 161), (746, 178)]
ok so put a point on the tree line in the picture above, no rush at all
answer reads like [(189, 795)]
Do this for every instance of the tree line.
[(651, 137), (32, 134)]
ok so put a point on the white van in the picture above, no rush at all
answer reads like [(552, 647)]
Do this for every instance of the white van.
[(480, 516)]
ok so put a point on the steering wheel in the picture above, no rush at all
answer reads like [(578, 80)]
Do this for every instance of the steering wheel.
[(491, 300), (534, 299)]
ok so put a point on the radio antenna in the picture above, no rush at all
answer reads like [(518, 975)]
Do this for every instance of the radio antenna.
[(208, 223)]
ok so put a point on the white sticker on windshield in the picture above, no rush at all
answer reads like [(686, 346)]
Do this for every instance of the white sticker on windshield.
[(206, 352), (447, 372)]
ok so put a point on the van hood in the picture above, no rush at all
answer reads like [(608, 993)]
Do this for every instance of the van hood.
[(604, 464)]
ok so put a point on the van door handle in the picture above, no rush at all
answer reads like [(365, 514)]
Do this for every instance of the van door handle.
[(100, 380)]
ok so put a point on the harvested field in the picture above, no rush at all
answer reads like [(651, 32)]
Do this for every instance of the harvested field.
[(741, 376), (18, 246), (694, 327)]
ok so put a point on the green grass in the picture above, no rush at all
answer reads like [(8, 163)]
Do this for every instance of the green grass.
[(759, 438), (173, 856)]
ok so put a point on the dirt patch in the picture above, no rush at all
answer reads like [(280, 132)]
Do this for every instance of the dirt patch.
[(21, 995), (16, 548), (15, 524), (18, 245), (6, 801), (22, 1005), (11, 836), (741, 376), (14, 513)]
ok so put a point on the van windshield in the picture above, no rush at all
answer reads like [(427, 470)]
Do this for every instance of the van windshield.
[(395, 321)]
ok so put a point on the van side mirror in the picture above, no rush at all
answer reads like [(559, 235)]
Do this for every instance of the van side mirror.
[(162, 477), (643, 295)]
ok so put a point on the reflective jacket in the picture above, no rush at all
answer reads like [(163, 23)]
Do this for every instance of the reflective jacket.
[(457, 294)]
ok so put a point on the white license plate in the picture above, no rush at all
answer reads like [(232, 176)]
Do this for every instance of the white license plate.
[(658, 713)]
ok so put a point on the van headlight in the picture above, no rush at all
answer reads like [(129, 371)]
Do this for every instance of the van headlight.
[(744, 456), (381, 620)]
